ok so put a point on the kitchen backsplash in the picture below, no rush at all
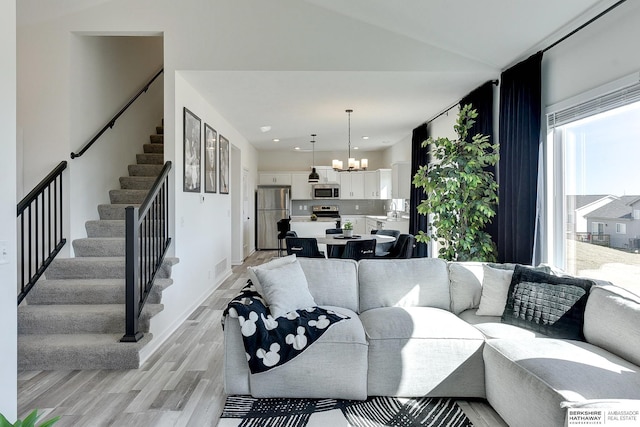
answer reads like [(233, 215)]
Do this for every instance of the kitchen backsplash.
[(346, 207)]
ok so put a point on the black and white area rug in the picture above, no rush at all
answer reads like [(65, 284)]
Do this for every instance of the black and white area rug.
[(247, 411)]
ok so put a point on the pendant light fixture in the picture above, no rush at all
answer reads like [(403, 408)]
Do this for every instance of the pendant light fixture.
[(352, 163), (313, 176)]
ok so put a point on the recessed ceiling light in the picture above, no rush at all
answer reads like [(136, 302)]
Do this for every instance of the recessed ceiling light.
[(355, 148), (296, 148), (365, 137), (276, 140), (265, 128)]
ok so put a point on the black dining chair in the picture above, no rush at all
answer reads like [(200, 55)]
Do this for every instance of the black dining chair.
[(334, 251), (403, 247), (303, 247), (283, 227), (359, 249), (383, 249)]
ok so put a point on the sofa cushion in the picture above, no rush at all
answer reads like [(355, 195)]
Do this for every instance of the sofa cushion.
[(274, 263), (465, 285), (528, 380), (611, 321), (551, 305), (284, 288), (492, 326), (335, 366), (417, 282), (495, 287), (332, 281), (422, 351)]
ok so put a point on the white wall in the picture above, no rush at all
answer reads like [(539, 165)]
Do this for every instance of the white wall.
[(604, 51), (203, 222), (105, 73), (8, 311)]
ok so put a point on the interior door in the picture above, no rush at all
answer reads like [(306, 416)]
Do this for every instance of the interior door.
[(247, 210)]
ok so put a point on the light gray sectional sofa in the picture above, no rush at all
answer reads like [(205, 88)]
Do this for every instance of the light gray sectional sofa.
[(414, 330)]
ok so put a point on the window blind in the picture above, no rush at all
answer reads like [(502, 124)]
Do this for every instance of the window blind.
[(599, 104)]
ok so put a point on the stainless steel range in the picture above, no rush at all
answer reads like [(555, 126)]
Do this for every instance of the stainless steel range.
[(327, 213)]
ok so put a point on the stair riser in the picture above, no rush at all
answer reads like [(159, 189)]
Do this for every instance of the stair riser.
[(65, 352), (61, 292), (154, 148), (156, 139), (99, 247), (136, 182), (160, 130), (144, 170), (114, 212), (106, 228), (150, 159), (52, 322), (91, 268), (111, 228), (127, 196)]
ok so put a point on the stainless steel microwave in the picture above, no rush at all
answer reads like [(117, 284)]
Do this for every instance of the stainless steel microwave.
[(326, 191)]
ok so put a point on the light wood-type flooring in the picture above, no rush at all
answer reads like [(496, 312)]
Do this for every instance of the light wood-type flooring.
[(180, 385)]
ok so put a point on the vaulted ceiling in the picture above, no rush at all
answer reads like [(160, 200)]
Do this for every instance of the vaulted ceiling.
[(395, 63), (295, 66)]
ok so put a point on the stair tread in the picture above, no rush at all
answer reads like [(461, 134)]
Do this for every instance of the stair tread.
[(78, 351)]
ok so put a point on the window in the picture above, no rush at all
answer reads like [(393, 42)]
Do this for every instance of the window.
[(590, 154)]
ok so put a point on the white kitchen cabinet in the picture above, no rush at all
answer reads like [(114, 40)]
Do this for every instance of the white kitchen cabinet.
[(274, 178), (358, 221), (327, 174), (401, 180), (377, 184), (352, 185), (370, 224), (300, 186)]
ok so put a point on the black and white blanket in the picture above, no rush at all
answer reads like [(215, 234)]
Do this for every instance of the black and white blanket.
[(271, 342)]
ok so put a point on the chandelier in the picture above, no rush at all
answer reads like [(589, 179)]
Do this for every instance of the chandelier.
[(352, 163)]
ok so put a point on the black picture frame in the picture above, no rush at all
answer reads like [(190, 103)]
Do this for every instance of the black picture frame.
[(210, 159), (192, 149), (223, 144)]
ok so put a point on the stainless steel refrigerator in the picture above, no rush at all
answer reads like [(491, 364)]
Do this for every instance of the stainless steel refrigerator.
[(273, 203)]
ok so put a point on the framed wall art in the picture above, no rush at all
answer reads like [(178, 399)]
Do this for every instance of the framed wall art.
[(224, 164), (210, 159), (192, 146)]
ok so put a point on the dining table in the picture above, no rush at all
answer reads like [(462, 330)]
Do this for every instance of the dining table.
[(340, 240)]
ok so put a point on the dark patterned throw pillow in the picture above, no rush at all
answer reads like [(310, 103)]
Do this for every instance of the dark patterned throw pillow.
[(548, 304)]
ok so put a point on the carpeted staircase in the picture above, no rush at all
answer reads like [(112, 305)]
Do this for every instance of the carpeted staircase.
[(74, 318)]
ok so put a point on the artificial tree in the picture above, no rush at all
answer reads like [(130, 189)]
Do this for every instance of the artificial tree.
[(461, 194)]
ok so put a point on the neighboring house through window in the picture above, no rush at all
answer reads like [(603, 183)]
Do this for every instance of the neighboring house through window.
[(596, 223)]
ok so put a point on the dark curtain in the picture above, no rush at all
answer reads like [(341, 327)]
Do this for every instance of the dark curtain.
[(419, 156), (482, 100), (519, 132)]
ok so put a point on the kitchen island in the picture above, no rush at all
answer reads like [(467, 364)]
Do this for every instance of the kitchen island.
[(304, 227)]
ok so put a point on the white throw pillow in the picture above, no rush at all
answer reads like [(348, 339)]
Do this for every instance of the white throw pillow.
[(275, 263), (285, 288), (495, 287)]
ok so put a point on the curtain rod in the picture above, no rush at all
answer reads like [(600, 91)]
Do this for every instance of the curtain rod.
[(443, 112), (551, 46), (589, 22)]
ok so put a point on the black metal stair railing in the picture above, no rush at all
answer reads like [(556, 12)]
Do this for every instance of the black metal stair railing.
[(147, 242), (40, 233)]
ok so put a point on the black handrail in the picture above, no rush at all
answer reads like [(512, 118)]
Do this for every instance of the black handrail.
[(40, 238), (147, 241), (112, 122)]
